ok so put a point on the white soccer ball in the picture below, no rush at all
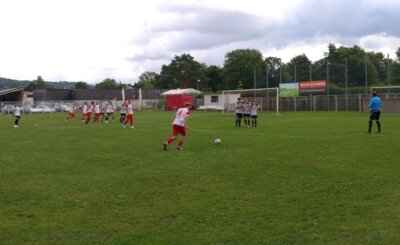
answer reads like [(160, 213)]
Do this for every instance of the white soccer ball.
[(217, 141)]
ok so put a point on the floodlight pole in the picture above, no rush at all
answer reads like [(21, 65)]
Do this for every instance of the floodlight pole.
[(345, 74), (388, 73), (310, 72), (327, 82), (255, 82), (366, 76), (266, 75)]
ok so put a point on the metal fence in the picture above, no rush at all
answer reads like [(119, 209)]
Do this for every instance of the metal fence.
[(64, 106), (354, 102)]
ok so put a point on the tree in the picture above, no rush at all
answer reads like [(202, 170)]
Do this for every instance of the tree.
[(107, 84), (273, 65), (182, 72), (39, 83), (81, 85), (242, 65), (147, 80), (214, 79), (299, 68)]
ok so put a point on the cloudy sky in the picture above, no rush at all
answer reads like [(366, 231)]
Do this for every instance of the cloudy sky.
[(90, 40)]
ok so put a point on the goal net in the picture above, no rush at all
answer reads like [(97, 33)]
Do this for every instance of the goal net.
[(390, 96), (267, 98)]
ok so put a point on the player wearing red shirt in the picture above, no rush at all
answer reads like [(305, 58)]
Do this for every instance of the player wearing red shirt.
[(89, 112), (179, 126)]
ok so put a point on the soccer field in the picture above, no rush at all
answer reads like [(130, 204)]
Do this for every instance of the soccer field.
[(297, 178)]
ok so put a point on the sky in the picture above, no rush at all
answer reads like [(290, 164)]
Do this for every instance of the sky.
[(90, 40)]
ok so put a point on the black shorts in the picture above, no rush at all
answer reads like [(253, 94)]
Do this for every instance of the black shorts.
[(253, 116), (374, 115), (239, 115), (246, 115)]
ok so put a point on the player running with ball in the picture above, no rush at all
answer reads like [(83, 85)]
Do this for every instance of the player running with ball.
[(179, 126)]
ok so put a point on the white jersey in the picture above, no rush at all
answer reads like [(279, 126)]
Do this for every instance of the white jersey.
[(129, 109), (84, 109), (72, 109), (97, 108), (17, 111), (246, 108), (239, 106), (123, 109), (110, 108), (254, 108), (181, 116), (90, 109)]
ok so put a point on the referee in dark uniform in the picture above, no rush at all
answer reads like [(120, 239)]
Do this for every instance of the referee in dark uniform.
[(375, 112)]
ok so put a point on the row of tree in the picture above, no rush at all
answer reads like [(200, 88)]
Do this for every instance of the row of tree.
[(247, 68)]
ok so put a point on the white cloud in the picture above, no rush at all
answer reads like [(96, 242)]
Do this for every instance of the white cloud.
[(89, 40), (380, 42)]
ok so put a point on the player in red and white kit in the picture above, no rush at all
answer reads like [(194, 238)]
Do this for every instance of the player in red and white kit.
[(179, 126), (89, 112), (84, 111), (96, 112), (71, 113), (129, 112)]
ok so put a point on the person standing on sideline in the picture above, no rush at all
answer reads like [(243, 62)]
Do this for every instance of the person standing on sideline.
[(17, 115), (179, 126), (253, 113), (375, 112), (239, 114), (129, 117)]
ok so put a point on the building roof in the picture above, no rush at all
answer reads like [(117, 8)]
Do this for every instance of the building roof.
[(181, 91), (10, 90)]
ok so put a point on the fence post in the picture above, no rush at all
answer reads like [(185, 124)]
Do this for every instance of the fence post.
[(335, 103), (295, 104), (313, 98), (360, 102)]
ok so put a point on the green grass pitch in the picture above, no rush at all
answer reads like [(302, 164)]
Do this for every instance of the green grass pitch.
[(298, 178)]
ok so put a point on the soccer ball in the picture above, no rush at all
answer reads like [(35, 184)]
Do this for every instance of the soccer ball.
[(217, 141)]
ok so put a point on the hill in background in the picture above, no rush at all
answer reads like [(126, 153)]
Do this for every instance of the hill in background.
[(12, 83)]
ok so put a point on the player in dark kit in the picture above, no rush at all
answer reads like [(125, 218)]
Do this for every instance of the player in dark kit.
[(375, 113)]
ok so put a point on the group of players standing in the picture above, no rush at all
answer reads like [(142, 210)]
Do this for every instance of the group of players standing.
[(107, 112), (248, 111)]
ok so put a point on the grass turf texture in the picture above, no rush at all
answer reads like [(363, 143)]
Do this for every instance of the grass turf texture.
[(297, 178)]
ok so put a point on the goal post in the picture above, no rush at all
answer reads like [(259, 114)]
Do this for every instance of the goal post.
[(390, 96), (266, 97), (386, 89)]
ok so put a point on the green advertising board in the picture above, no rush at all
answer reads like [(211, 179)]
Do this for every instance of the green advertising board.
[(289, 90)]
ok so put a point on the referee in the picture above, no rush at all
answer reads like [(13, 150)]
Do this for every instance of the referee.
[(375, 108)]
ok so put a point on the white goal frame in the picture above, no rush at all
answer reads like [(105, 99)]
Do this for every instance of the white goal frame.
[(383, 87), (250, 90)]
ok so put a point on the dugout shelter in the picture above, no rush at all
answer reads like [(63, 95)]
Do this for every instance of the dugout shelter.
[(177, 98)]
